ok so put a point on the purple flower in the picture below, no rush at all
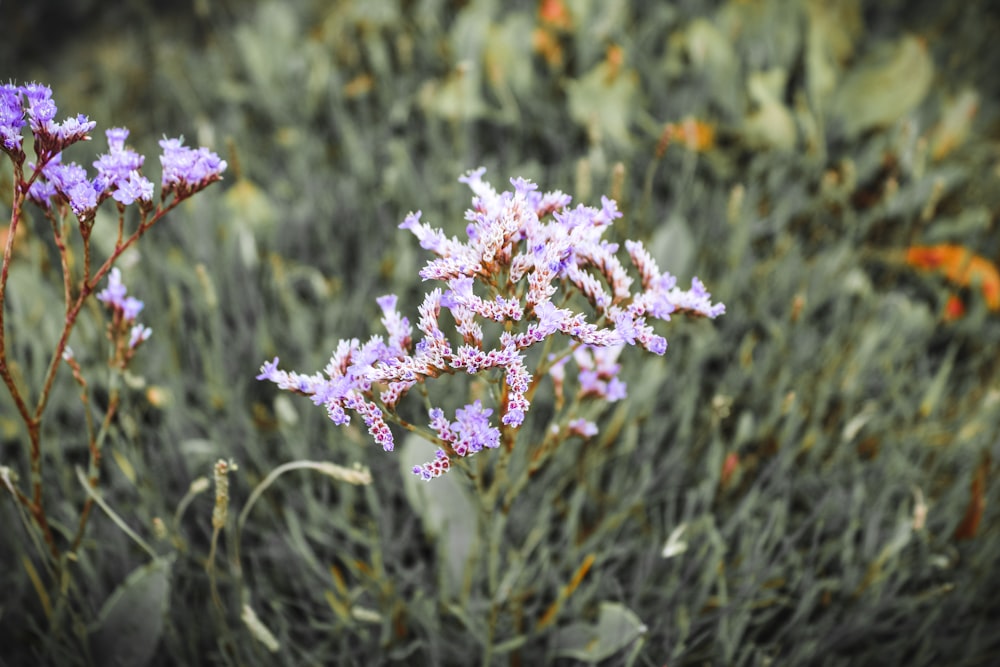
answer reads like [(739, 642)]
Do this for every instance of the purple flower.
[(70, 130), (131, 308), (63, 176), (116, 167), (441, 425), (11, 117), (114, 297), (41, 109), (41, 192), (398, 327), (583, 428), (472, 425), (616, 390), (82, 198), (523, 253), (269, 370), (439, 466), (138, 335), (135, 187), (188, 168), (116, 138), (598, 375)]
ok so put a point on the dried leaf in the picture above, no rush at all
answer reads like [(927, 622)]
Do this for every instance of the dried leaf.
[(696, 135), (969, 526), (956, 121), (555, 14), (729, 467)]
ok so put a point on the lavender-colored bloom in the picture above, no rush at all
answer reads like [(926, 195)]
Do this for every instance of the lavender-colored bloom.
[(41, 109), (616, 390), (435, 468), (114, 293), (70, 181), (598, 376), (591, 384), (185, 167), (472, 425), (115, 168), (583, 428), (430, 239), (82, 198), (625, 325), (114, 296), (269, 371), (64, 177), (518, 381), (522, 247), (697, 300), (11, 117), (441, 425), (116, 138), (135, 187), (398, 327), (373, 419), (609, 211), (131, 308), (41, 192), (138, 335), (72, 130)]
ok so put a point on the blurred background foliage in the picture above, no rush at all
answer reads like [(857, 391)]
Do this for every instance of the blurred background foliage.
[(807, 480)]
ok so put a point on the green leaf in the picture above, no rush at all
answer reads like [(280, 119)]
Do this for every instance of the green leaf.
[(457, 96), (771, 124), (616, 627), (445, 507), (131, 621), (890, 83), (604, 101), (673, 246)]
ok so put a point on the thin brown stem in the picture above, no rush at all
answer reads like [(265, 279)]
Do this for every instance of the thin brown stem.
[(93, 474)]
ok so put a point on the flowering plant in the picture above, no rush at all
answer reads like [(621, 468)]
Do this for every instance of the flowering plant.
[(68, 197), (530, 268)]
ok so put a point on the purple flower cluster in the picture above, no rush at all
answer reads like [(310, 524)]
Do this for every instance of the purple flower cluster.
[(598, 372), (522, 247), (11, 118), (125, 308), (185, 170), (34, 101), (188, 168)]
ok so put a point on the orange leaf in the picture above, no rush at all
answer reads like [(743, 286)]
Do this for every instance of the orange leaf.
[(546, 43), (696, 135), (19, 236), (567, 590), (554, 13), (977, 502), (960, 266), (953, 309), (729, 468)]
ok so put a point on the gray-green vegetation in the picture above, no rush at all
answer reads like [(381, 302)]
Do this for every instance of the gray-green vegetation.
[(807, 480)]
